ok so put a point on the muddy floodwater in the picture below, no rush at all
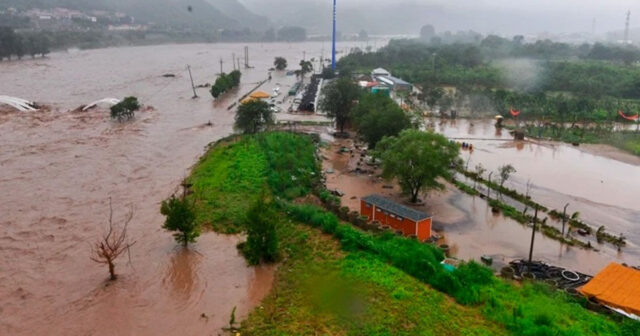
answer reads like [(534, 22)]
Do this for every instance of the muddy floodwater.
[(58, 170), (598, 181)]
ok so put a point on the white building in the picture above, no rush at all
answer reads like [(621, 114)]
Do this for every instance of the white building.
[(380, 72)]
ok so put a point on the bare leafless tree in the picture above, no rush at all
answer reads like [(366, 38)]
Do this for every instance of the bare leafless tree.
[(113, 243)]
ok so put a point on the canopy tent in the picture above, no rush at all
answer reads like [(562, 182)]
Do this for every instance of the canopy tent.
[(616, 286), (260, 95)]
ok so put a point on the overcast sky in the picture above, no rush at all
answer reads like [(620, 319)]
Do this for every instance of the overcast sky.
[(497, 16)]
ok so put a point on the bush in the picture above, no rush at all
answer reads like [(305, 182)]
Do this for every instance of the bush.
[(125, 110), (225, 82), (181, 220), (262, 241)]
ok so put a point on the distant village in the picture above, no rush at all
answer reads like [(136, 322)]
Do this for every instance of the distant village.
[(65, 19)]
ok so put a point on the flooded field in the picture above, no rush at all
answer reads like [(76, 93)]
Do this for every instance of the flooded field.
[(599, 182), (566, 174), (59, 169)]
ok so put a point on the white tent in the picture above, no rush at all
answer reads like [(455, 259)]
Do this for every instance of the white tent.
[(18, 103)]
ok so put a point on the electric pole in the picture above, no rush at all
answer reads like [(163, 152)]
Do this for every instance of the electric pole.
[(533, 235), (193, 87), (626, 28), (333, 48)]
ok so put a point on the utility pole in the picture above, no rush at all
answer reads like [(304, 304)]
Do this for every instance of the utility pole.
[(333, 43), (626, 28), (533, 235), (221, 61), (564, 218), (233, 60), (195, 95), (246, 57)]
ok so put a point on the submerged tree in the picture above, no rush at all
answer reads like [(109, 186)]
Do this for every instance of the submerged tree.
[(417, 159), (181, 220), (253, 116), (505, 173), (125, 110), (480, 170), (305, 67), (113, 243), (338, 99), (262, 240), (280, 63)]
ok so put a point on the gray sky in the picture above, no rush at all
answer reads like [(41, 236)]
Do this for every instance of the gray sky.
[(486, 16)]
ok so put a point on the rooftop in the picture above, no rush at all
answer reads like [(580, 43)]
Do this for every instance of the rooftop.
[(616, 286), (395, 208)]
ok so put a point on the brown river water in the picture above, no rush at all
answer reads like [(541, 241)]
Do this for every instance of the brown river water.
[(58, 170)]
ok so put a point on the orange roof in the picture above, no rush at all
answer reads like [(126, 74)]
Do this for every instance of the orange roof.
[(616, 286), (260, 95)]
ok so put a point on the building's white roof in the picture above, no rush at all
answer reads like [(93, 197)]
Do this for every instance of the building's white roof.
[(380, 71)]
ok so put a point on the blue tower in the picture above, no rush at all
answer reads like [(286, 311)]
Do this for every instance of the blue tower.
[(333, 43)]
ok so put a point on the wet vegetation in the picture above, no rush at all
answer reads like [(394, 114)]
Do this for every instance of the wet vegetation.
[(125, 110), (565, 92), (225, 82), (180, 220), (348, 281)]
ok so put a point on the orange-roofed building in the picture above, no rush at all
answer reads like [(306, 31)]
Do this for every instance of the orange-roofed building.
[(616, 286)]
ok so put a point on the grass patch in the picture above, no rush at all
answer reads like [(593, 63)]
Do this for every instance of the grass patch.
[(349, 282)]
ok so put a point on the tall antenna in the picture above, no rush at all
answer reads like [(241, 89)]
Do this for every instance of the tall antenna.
[(333, 42), (626, 28)]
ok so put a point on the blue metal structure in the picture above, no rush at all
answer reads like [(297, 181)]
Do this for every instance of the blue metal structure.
[(333, 49)]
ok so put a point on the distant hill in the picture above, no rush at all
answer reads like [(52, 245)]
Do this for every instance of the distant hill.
[(205, 14), (237, 11), (392, 17)]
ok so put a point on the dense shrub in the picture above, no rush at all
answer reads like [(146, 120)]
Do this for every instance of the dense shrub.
[(225, 82)]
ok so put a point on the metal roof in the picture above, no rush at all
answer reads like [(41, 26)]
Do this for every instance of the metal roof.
[(394, 80), (395, 208)]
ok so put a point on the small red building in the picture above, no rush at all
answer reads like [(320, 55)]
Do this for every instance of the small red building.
[(397, 216)]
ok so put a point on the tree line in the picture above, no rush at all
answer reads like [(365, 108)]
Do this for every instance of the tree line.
[(20, 45)]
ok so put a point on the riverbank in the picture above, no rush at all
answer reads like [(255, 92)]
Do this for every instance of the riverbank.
[(334, 278)]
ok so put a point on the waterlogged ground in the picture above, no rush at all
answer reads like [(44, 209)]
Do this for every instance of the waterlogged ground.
[(566, 174), (58, 170)]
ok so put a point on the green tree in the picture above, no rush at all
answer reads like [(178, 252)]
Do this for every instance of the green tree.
[(417, 159), (305, 67), (504, 173), (339, 97), (181, 220), (262, 240), (253, 116), (280, 63), (377, 116), (125, 110)]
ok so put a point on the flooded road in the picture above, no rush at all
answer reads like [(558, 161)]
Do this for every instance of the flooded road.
[(58, 170)]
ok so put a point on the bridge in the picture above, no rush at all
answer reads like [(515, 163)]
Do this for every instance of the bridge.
[(18, 103)]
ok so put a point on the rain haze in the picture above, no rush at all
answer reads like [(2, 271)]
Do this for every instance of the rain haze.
[(254, 167)]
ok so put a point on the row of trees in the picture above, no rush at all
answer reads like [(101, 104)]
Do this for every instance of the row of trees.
[(20, 45), (472, 66), (225, 82)]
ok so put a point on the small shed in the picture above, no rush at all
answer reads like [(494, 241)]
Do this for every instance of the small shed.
[(616, 286), (397, 216)]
